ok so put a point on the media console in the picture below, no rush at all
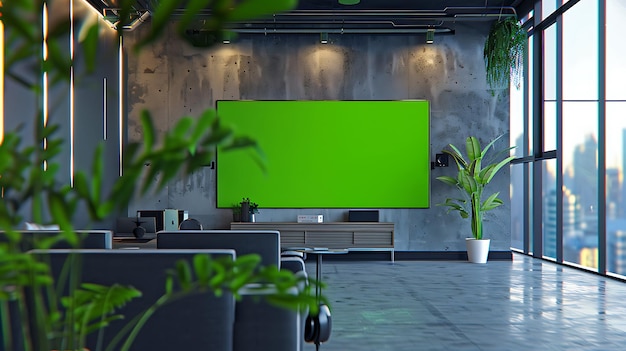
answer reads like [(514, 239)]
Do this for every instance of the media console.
[(354, 236)]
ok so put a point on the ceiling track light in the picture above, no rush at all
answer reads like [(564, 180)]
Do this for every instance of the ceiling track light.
[(430, 36), (324, 38)]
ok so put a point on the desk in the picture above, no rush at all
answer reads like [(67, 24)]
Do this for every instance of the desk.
[(318, 263), (322, 324), (132, 243)]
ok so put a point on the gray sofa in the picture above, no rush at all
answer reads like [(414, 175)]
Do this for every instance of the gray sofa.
[(203, 322), (89, 239), (198, 322), (265, 243), (258, 325)]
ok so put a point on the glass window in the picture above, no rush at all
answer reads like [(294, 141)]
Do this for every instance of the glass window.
[(518, 224), (516, 113), (549, 196), (580, 183), (615, 49), (580, 51), (549, 125), (549, 62), (615, 196), (549, 86), (548, 7)]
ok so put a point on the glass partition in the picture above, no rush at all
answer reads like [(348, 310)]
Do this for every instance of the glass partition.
[(580, 183), (549, 220), (615, 137)]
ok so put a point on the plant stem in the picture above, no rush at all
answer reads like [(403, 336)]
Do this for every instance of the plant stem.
[(477, 222)]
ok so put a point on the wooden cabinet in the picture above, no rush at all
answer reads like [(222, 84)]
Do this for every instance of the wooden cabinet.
[(355, 236)]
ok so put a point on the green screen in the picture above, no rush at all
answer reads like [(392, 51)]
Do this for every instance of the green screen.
[(327, 154)]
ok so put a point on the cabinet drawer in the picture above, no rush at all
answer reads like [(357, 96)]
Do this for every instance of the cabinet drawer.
[(291, 238), (373, 239), (329, 239)]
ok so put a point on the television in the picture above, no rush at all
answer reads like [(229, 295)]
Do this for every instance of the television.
[(327, 154)]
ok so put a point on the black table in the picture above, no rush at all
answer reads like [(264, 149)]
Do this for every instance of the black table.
[(321, 335)]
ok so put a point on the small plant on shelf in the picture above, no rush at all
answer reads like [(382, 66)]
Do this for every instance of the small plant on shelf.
[(236, 207), (248, 209)]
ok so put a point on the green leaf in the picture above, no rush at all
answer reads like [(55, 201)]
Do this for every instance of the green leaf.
[(148, 130), (89, 44), (183, 274), (81, 184), (467, 182), (448, 180), (491, 171), (472, 147), (492, 202), (457, 156), (97, 174), (202, 267), (58, 207), (169, 284)]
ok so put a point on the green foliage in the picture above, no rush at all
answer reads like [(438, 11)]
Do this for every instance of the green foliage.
[(29, 178), (253, 207), (504, 52), (472, 178)]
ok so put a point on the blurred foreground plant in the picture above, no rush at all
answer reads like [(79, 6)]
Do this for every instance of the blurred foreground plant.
[(30, 184)]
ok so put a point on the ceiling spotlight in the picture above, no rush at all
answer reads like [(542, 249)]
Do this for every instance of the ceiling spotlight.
[(324, 38), (430, 36)]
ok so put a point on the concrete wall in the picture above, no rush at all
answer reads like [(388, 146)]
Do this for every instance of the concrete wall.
[(23, 108), (172, 79)]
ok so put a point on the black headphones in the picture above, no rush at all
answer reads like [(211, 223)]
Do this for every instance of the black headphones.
[(317, 328)]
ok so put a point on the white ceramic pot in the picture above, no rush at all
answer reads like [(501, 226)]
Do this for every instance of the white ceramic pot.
[(477, 250)]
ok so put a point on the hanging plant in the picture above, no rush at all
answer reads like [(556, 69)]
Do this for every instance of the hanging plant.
[(504, 52)]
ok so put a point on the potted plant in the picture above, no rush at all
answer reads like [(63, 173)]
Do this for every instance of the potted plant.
[(474, 174), (248, 210), (504, 52), (236, 212)]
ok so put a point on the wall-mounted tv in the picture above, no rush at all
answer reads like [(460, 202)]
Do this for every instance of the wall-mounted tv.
[(328, 154)]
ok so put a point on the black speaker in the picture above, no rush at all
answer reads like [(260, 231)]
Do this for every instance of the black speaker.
[(363, 216), (139, 232)]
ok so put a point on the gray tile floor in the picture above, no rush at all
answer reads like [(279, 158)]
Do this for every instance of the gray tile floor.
[(524, 304)]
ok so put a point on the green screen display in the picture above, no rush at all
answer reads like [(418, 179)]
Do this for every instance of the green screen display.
[(327, 154)]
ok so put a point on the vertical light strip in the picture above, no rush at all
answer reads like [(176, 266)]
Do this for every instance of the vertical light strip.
[(121, 102), (104, 108), (72, 101), (44, 78)]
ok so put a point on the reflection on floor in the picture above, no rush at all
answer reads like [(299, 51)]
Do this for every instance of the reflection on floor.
[(524, 304)]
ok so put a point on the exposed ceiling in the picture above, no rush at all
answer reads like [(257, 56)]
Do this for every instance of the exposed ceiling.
[(368, 16)]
